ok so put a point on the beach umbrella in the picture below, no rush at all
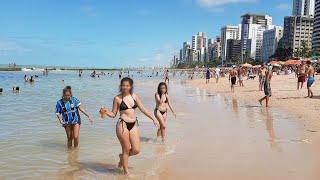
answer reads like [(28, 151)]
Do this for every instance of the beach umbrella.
[(257, 66), (274, 62), (246, 65), (292, 62)]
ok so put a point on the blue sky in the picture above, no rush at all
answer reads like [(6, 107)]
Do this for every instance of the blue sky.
[(115, 33)]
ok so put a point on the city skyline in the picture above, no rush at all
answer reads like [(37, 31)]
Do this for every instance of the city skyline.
[(110, 34)]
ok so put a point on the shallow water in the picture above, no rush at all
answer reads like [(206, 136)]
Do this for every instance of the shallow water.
[(212, 135)]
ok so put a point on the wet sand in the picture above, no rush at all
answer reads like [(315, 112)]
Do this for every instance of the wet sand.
[(215, 136), (227, 138), (285, 96)]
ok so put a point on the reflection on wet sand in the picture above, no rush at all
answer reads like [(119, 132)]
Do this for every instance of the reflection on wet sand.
[(270, 129), (235, 105), (77, 169)]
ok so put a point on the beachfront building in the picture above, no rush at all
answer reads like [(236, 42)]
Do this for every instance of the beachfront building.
[(298, 32), (303, 7), (252, 28), (233, 51), (316, 29), (271, 39), (184, 51), (214, 49), (228, 32), (199, 45)]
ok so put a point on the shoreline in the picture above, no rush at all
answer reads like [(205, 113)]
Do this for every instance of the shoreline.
[(285, 96)]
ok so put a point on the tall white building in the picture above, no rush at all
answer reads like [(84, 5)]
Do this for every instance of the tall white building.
[(252, 28), (199, 44), (303, 7), (228, 32), (270, 41)]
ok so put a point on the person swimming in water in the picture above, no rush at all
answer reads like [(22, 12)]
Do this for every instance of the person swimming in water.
[(310, 80), (160, 112), (67, 111), (127, 126)]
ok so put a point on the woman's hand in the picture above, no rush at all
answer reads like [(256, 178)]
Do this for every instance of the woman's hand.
[(91, 121), (103, 112), (156, 123), (61, 121)]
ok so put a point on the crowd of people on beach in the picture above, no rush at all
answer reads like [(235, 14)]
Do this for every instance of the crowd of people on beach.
[(304, 72)]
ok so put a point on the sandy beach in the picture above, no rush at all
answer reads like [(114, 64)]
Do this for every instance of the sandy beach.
[(216, 135), (285, 96)]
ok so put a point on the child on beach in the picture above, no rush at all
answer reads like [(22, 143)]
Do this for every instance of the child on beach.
[(67, 111)]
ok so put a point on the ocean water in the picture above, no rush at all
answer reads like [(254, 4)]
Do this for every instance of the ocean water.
[(32, 143), (212, 135)]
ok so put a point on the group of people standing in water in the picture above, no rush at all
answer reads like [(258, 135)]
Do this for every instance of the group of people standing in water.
[(68, 110)]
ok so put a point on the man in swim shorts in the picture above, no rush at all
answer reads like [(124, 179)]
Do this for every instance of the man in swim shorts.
[(301, 74), (311, 79), (233, 78)]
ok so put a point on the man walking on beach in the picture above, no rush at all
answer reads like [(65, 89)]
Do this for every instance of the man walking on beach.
[(233, 78), (262, 76), (301, 74), (267, 86), (310, 80), (208, 75)]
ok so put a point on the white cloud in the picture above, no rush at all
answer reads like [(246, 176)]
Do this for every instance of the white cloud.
[(89, 10), (284, 6), (211, 3), (12, 46)]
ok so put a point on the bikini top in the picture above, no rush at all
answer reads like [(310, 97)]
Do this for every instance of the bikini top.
[(123, 106), (166, 101)]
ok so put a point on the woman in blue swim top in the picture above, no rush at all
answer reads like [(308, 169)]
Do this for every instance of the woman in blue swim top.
[(67, 111)]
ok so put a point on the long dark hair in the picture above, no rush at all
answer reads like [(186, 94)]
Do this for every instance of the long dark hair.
[(129, 80), (159, 88), (65, 90)]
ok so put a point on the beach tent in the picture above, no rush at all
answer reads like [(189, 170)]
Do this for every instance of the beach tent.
[(246, 65), (292, 62)]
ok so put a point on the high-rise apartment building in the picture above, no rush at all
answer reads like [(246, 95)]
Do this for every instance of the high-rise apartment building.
[(297, 31), (303, 7), (316, 28), (228, 32), (271, 39), (252, 28)]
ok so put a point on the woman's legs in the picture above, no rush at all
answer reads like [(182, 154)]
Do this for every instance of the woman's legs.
[(130, 143), (69, 134), (162, 121), (76, 130)]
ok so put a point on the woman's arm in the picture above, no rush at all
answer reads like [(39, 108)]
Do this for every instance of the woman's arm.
[(157, 98), (115, 109), (85, 113), (144, 110), (170, 106), (60, 118)]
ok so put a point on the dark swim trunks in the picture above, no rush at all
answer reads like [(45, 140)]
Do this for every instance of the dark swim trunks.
[(233, 80)]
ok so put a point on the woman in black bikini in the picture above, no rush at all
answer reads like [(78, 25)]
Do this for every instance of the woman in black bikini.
[(127, 127), (160, 112)]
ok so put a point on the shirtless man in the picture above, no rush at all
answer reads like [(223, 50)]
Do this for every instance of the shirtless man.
[(240, 76), (262, 76), (233, 78), (311, 79), (267, 86), (301, 74)]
